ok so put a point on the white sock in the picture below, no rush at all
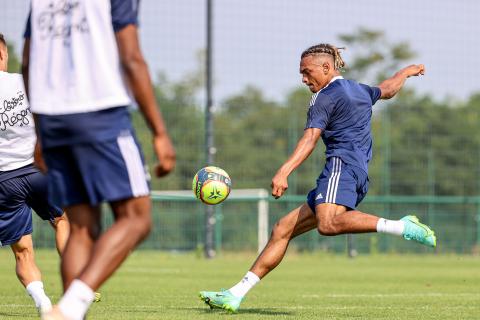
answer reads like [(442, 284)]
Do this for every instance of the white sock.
[(247, 283), (35, 290), (390, 226), (76, 300)]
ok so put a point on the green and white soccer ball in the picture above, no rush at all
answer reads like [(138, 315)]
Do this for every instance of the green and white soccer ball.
[(211, 185)]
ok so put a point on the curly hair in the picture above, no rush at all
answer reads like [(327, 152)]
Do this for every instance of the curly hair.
[(325, 48)]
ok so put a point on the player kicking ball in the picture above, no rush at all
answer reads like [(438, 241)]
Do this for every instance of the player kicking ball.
[(340, 113)]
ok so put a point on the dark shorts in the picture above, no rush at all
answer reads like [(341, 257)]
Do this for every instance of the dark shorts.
[(339, 183), (98, 171), (92, 157), (18, 196)]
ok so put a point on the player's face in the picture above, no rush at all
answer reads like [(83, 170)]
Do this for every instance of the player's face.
[(314, 74)]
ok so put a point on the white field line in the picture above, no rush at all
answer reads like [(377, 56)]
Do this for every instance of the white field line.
[(279, 308), (392, 295)]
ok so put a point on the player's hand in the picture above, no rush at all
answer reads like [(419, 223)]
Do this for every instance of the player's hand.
[(165, 153), (38, 160), (416, 70), (279, 185)]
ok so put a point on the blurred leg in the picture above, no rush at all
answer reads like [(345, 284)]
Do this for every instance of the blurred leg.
[(84, 230), (132, 225), (62, 231)]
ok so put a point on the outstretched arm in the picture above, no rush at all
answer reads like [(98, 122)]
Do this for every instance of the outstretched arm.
[(303, 149), (136, 72), (391, 86)]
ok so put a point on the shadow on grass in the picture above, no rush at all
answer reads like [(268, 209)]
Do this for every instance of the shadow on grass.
[(263, 311)]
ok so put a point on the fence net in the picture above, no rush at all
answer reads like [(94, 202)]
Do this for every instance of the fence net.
[(426, 140)]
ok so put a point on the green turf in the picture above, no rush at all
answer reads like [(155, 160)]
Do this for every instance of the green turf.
[(154, 285)]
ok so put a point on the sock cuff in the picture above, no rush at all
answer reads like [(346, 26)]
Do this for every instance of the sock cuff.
[(381, 225), (76, 300), (252, 277), (82, 290), (34, 285)]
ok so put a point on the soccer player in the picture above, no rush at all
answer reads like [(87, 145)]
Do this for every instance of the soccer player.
[(22, 186), (81, 61), (340, 113)]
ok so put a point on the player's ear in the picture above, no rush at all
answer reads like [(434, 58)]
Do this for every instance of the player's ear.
[(326, 67)]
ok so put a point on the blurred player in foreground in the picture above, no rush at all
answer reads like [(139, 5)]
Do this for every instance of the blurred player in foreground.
[(340, 112), (22, 186), (81, 60)]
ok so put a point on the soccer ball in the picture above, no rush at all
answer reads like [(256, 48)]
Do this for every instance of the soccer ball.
[(211, 185)]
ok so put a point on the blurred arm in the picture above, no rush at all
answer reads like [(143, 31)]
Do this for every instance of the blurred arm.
[(25, 63), (391, 86), (136, 72), (38, 160)]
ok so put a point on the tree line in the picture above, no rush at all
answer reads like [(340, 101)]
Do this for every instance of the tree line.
[(422, 145)]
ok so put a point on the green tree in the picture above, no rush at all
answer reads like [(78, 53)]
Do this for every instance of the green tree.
[(374, 57), (14, 64)]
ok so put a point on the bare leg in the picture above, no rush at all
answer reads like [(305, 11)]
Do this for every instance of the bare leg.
[(132, 225), (62, 231), (298, 221), (84, 230), (26, 268), (335, 219), (29, 274), (87, 261)]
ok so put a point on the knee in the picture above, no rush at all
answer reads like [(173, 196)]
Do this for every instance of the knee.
[(24, 254), (144, 226), (280, 231), (327, 228), (140, 225), (61, 221)]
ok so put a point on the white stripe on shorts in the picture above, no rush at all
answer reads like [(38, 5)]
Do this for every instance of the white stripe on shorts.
[(333, 181), (135, 168)]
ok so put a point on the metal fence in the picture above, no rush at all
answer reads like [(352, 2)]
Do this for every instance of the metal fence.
[(179, 224), (426, 144)]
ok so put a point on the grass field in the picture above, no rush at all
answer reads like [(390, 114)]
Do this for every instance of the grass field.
[(154, 285)]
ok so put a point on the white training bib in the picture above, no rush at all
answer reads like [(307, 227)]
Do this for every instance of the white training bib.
[(17, 131), (74, 62)]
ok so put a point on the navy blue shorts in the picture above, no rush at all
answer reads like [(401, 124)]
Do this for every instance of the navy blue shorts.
[(18, 196), (97, 171), (339, 183)]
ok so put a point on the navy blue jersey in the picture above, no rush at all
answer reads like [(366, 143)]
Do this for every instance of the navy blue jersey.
[(343, 110)]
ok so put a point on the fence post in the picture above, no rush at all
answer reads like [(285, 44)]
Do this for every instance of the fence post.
[(431, 186), (477, 236), (262, 219), (218, 227)]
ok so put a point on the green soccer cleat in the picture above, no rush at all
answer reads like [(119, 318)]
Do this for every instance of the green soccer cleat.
[(414, 230), (221, 300)]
